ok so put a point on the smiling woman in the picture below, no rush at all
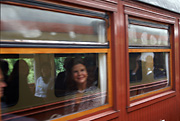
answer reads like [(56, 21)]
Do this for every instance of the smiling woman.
[(79, 75), (80, 85)]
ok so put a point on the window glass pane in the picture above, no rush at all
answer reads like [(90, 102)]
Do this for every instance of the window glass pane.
[(20, 24), (148, 71), (147, 36), (53, 83)]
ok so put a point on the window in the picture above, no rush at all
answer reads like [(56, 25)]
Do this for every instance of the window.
[(149, 58), (46, 26), (58, 62)]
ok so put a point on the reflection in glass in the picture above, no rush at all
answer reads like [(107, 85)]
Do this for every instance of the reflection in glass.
[(148, 71), (58, 83), (45, 83), (18, 26), (147, 36)]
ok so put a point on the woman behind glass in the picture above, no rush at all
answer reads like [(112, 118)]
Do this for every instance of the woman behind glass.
[(80, 87)]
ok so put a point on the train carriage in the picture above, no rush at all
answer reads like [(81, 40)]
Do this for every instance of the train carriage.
[(90, 60)]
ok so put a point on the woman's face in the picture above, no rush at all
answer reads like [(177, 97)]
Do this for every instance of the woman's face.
[(79, 73)]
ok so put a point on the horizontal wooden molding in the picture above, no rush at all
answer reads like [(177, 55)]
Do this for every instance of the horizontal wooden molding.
[(110, 5), (150, 100), (113, 114), (148, 50), (50, 50), (148, 14)]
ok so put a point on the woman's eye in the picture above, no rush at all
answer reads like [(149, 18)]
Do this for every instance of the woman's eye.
[(82, 69)]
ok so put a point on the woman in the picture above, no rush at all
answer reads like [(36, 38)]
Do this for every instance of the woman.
[(78, 81), (79, 87)]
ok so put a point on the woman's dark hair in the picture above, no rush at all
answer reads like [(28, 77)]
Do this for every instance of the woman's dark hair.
[(74, 61)]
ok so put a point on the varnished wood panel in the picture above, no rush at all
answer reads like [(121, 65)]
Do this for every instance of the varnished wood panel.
[(100, 4), (166, 109), (144, 13), (49, 50)]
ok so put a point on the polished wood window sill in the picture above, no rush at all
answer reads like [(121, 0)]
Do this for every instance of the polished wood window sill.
[(150, 100), (101, 116)]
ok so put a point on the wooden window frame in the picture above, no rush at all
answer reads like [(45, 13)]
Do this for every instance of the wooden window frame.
[(156, 49), (179, 44), (74, 50), (161, 89), (142, 13), (67, 51), (61, 8)]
